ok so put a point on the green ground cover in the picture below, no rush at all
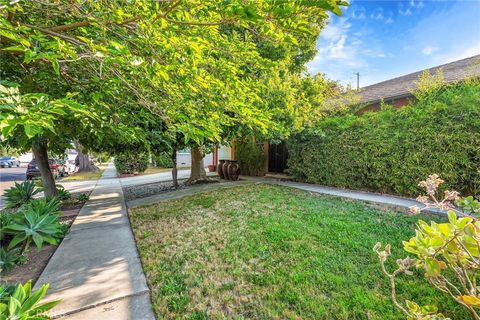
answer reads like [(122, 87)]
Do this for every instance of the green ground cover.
[(270, 252)]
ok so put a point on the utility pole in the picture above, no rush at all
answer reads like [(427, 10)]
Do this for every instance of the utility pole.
[(358, 79)]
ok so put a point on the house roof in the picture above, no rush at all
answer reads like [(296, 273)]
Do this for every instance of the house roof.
[(400, 87)]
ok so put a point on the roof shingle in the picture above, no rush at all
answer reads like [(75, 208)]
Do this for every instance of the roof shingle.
[(401, 86)]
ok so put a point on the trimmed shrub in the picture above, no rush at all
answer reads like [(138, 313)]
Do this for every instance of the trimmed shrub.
[(251, 156), (131, 162), (162, 160), (390, 150)]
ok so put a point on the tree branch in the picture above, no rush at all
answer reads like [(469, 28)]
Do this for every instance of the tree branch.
[(55, 34)]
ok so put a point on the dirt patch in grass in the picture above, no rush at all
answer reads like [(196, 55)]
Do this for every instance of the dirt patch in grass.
[(271, 252)]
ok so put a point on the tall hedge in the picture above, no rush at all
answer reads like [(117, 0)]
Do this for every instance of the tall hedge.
[(130, 162), (251, 156), (390, 151)]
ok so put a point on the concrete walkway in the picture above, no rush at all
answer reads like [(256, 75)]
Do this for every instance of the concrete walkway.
[(96, 270), (379, 200)]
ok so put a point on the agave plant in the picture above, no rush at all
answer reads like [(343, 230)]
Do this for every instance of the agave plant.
[(30, 226), (44, 206), (9, 259), (63, 194), (20, 194), (21, 303)]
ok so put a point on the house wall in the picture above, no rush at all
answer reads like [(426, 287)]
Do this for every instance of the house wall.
[(224, 153), (184, 159), (397, 103)]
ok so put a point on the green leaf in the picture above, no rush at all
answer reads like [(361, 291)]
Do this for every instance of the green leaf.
[(56, 66), (452, 217), (31, 130)]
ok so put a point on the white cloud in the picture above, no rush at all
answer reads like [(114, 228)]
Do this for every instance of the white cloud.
[(342, 51), (408, 9), (428, 50), (358, 13), (389, 20), (377, 14), (416, 4), (406, 12)]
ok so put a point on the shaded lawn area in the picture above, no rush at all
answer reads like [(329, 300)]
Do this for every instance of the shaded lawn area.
[(271, 252), (89, 175)]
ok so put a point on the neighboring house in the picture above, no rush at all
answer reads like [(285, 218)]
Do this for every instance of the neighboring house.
[(397, 91), (184, 159)]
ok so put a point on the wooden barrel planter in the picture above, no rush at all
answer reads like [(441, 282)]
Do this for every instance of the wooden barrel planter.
[(220, 169), (225, 169), (233, 170)]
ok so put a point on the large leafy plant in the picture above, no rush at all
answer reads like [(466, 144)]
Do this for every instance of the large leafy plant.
[(20, 194), (31, 226), (45, 206), (20, 303), (447, 252), (9, 259)]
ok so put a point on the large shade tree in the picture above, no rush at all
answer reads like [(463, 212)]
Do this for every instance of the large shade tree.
[(197, 66)]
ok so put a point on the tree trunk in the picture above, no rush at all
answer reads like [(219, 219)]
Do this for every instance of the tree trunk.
[(174, 168), (85, 164), (197, 171), (40, 151)]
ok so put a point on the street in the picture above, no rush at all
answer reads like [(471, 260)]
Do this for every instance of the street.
[(8, 177), (13, 174)]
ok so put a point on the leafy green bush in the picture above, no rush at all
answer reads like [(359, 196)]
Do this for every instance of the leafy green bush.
[(30, 225), (9, 259), (21, 303), (163, 160), (389, 150), (20, 194), (251, 156), (131, 162)]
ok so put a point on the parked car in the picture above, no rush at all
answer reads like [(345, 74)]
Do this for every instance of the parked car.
[(57, 168), (70, 167), (4, 163), (9, 162)]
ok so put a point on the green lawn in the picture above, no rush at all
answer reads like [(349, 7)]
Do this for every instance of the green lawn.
[(269, 252), (92, 175)]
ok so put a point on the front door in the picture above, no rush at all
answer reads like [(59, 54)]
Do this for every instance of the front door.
[(277, 157)]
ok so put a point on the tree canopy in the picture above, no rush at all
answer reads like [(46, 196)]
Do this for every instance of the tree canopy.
[(150, 71)]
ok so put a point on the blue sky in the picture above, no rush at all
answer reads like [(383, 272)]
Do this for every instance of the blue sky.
[(386, 39)]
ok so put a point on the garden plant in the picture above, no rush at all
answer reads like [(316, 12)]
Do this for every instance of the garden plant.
[(447, 253), (21, 303)]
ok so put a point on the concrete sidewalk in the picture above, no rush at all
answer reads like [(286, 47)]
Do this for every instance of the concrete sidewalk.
[(96, 270)]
